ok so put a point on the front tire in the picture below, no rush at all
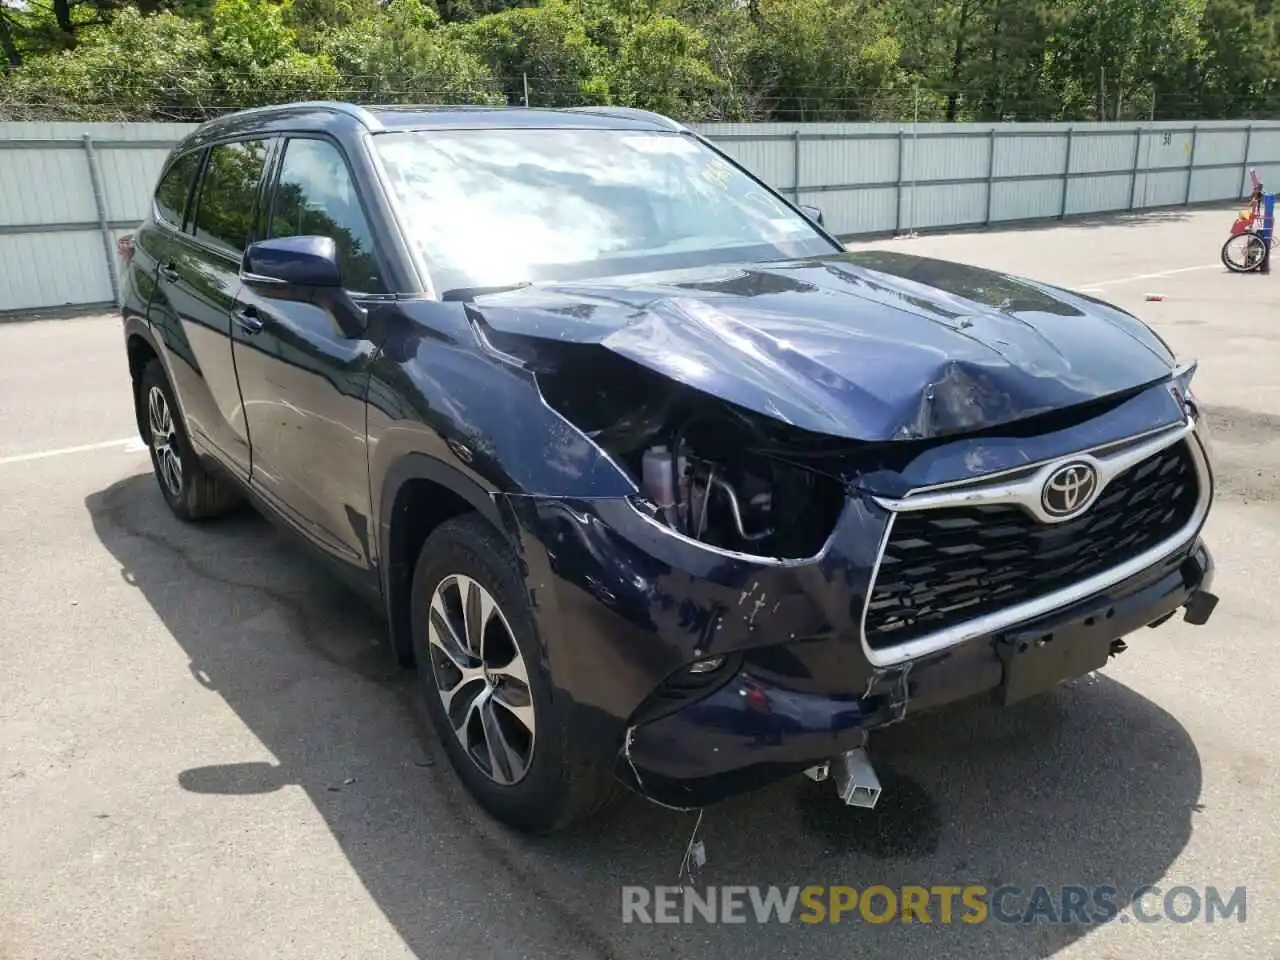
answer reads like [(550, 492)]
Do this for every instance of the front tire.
[(191, 492), (483, 673)]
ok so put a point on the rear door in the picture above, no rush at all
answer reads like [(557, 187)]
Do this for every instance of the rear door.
[(196, 285), (170, 206), (303, 379)]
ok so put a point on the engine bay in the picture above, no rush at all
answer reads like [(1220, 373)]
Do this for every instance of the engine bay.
[(710, 471)]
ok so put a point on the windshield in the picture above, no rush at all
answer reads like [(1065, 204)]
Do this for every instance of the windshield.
[(498, 207)]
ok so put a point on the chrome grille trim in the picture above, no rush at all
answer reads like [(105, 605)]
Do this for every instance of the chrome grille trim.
[(1026, 493), (1025, 469)]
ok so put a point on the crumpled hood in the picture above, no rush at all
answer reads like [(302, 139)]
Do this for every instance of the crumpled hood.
[(872, 346)]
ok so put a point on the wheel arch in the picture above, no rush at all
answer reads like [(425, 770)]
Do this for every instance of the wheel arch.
[(418, 493), (141, 349)]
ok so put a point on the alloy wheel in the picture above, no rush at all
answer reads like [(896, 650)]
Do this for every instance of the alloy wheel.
[(164, 441), (480, 676)]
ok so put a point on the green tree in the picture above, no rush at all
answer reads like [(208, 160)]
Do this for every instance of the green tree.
[(1114, 51), (9, 32), (155, 65), (696, 59), (406, 56), (979, 59), (661, 65), (256, 59), (728, 32), (311, 20), (546, 45), (825, 59), (1237, 73)]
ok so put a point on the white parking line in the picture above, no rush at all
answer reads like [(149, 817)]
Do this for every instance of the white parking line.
[(1145, 276), (127, 445)]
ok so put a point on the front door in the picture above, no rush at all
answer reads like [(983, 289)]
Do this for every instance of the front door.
[(303, 380)]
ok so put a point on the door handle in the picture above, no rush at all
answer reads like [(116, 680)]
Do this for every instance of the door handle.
[(170, 273), (249, 320)]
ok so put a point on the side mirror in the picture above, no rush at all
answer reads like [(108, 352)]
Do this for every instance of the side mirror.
[(304, 269), (294, 262), (813, 213)]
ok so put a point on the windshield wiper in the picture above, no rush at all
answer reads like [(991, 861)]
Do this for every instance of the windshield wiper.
[(470, 293)]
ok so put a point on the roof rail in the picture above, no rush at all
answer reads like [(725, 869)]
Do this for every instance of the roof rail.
[(629, 113), (358, 113)]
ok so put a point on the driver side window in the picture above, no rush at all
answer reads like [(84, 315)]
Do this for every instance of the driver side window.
[(315, 196)]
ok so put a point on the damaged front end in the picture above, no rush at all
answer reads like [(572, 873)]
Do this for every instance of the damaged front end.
[(708, 471), (770, 592)]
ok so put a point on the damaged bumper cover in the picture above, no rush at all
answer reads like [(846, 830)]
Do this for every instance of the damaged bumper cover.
[(756, 728), (711, 672)]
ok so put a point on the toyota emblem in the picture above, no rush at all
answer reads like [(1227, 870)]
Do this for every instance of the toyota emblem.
[(1069, 490)]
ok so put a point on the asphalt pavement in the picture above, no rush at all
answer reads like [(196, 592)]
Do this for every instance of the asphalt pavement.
[(206, 753)]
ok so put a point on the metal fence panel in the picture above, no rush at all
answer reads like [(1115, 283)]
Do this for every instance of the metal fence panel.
[(847, 161), (1098, 194), (69, 190), (1026, 200), (49, 270), (1265, 142), (876, 207), (945, 205), (72, 132), (1172, 150), (1163, 188), (129, 177), (1268, 173), (948, 158), (1028, 156), (773, 161), (1217, 183), (1103, 151), (44, 186), (1219, 146)]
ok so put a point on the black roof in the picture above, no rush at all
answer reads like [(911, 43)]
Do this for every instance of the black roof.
[(328, 115)]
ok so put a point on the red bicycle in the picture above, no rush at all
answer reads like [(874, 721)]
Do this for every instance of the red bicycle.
[(1245, 250)]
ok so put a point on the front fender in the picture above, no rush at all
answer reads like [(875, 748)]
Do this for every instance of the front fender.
[(436, 388), (396, 559)]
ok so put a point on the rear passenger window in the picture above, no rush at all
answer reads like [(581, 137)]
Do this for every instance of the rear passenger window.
[(228, 192), (315, 196), (175, 189)]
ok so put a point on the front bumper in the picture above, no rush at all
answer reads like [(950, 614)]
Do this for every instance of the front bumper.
[(758, 727), (624, 607)]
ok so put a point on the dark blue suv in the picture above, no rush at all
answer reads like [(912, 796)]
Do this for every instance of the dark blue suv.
[(656, 483)]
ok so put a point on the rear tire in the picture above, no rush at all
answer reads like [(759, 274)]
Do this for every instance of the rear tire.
[(191, 492), (1252, 250), (482, 670)]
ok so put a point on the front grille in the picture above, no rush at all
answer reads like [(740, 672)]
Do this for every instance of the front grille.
[(943, 567)]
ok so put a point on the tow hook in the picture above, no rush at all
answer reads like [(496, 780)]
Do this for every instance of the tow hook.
[(855, 778), (1199, 607)]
